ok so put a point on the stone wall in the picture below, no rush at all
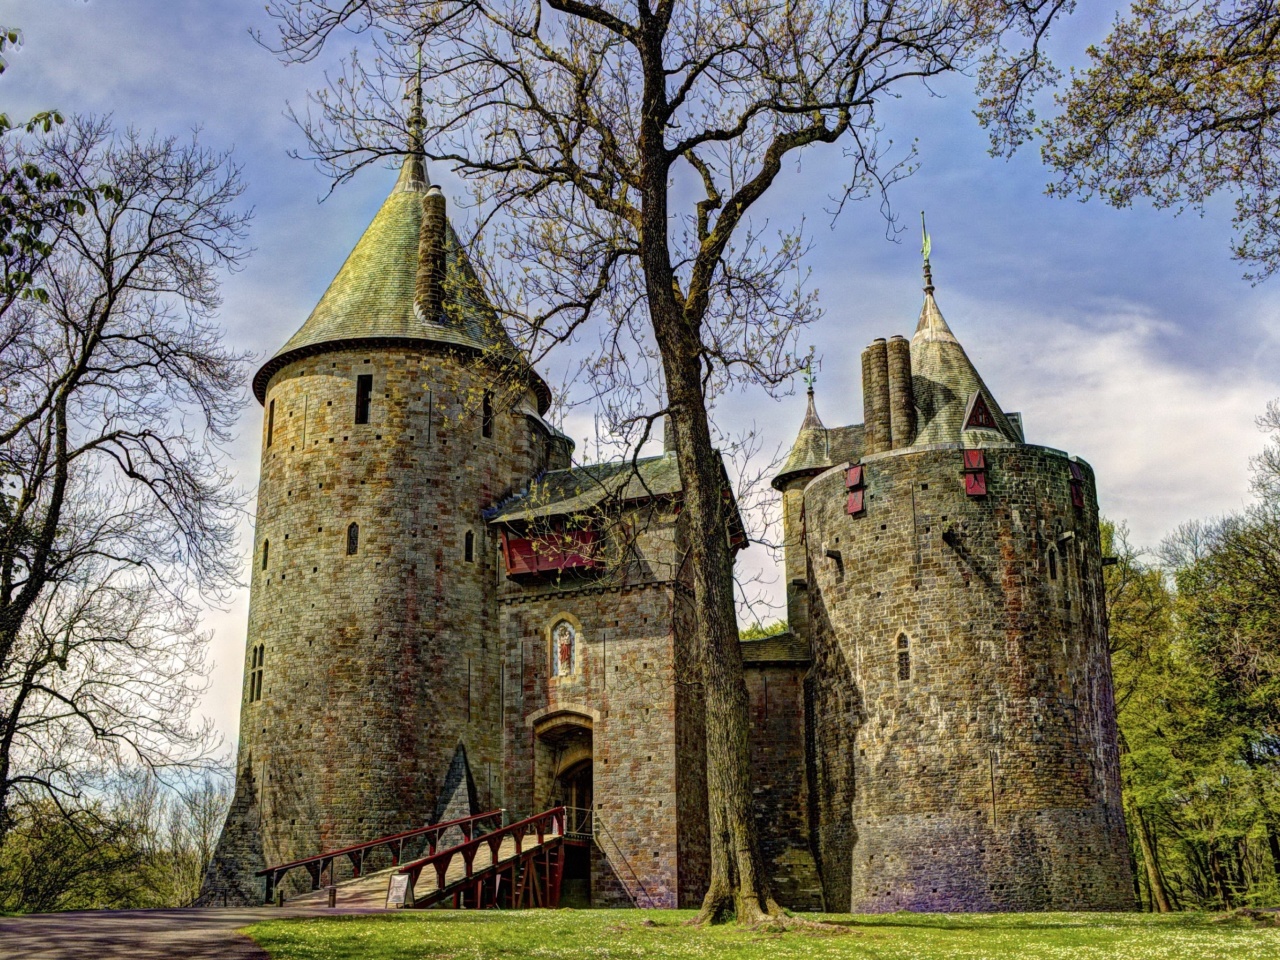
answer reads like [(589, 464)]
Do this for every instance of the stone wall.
[(984, 776), (647, 745), (779, 788), (380, 664)]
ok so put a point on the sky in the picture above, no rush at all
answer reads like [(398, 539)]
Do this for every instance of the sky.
[(1126, 337)]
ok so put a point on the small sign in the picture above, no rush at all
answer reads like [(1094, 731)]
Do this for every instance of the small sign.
[(398, 890)]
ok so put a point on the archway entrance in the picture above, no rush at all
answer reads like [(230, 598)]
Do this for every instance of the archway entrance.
[(573, 786), (563, 776)]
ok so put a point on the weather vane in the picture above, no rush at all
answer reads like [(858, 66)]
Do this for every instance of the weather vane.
[(926, 248), (810, 378)]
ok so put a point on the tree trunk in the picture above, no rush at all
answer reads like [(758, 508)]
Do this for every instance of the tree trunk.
[(738, 883), (1155, 882)]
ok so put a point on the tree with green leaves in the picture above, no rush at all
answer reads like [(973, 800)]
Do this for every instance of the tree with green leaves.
[(1181, 102)]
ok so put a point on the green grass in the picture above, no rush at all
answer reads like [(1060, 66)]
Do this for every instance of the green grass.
[(622, 935)]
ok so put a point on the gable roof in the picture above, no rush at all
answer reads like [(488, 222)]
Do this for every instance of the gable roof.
[(558, 493)]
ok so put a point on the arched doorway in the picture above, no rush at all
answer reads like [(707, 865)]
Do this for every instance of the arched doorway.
[(573, 789), (563, 776)]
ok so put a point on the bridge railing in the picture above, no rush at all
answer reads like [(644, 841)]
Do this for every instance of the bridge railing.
[(578, 823), (539, 828), (471, 827)]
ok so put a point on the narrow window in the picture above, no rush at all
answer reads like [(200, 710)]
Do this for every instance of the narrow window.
[(486, 414), (266, 553), (469, 547), (256, 657), (271, 420), (364, 387), (1053, 564), (904, 658), (353, 539)]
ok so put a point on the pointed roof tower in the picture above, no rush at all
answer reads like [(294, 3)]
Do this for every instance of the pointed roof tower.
[(811, 453), (371, 301), (952, 401)]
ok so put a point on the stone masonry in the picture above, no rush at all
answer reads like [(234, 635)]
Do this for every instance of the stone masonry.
[(447, 616)]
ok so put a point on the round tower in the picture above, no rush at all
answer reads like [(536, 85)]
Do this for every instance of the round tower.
[(396, 414), (964, 739)]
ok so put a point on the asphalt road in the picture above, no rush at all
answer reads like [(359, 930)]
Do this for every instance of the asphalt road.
[(207, 933)]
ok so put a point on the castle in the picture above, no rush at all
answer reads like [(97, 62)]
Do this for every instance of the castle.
[(448, 616)]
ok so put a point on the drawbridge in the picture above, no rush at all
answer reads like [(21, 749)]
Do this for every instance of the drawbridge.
[(472, 862)]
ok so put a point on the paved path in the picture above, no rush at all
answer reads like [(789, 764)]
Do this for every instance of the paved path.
[(197, 934), (207, 933)]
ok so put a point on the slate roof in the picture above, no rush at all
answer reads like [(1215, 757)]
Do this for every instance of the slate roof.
[(779, 648), (558, 493), (372, 296), (816, 448), (944, 379)]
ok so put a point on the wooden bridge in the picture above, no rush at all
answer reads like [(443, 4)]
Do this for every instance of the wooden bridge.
[(517, 865)]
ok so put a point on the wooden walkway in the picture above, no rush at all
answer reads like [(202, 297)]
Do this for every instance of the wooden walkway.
[(370, 892)]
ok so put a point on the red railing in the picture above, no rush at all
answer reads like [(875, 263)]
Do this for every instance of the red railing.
[(529, 877), (394, 843)]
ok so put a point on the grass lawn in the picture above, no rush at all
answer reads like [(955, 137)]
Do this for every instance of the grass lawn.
[(661, 934)]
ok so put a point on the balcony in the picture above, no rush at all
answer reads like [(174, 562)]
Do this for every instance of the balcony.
[(551, 553)]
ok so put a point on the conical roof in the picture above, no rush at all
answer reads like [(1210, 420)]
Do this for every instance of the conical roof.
[(945, 382), (811, 453), (372, 296)]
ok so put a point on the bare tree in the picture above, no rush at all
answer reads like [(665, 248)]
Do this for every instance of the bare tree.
[(617, 150), (116, 512)]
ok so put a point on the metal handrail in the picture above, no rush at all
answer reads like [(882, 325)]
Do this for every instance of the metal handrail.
[(604, 831), (578, 822), (394, 842)]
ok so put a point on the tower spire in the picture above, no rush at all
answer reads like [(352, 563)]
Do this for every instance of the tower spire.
[(413, 172), (925, 250)]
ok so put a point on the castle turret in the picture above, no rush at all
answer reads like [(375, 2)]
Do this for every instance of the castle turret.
[(395, 414), (963, 738), (809, 456)]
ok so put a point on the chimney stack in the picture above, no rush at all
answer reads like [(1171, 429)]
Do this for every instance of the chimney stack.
[(428, 300), (875, 397), (902, 400)]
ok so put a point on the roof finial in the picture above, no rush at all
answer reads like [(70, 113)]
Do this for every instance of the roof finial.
[(810, 378), (415, 112), (413, 172), (925, 250)]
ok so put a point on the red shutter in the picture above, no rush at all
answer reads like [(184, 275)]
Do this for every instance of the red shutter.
[(975, 473), (856, 504), (975, 484)]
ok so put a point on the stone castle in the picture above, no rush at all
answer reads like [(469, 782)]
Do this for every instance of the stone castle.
[(447, 616)]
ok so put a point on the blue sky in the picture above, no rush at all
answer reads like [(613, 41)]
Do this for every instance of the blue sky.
[(1124, 336)]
